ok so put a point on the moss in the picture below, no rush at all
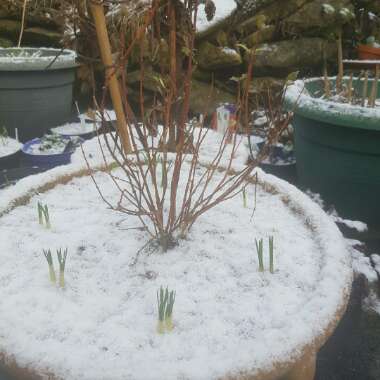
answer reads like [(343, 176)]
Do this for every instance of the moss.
[(211, 57), (10, 29), (5, 43)]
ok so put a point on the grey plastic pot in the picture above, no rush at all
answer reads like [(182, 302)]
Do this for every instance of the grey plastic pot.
[(36, 87)]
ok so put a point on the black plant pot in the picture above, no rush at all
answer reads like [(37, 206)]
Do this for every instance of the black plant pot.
[(11, 161)]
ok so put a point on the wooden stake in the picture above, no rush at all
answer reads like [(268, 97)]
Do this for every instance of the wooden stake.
[(106, 54), (340, 63), (375, 83), (173, 76), (325, 74), (349, 90), (365, 88), (22, 23), (327, 83)]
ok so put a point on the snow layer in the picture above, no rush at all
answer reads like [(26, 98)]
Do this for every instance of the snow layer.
[(223, 9), (8, 146), (228, 316), (15, 59), (297, 97), (76, 129)]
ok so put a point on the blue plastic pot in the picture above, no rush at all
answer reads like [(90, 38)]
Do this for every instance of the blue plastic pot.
[(45, 160)]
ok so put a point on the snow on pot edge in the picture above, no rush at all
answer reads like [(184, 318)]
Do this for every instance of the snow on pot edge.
[(335, 270)]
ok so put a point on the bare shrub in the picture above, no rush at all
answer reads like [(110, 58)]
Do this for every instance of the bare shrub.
[(165, 182)]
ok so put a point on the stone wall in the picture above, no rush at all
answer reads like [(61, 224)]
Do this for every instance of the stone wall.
[(43, 26), (285, 35)]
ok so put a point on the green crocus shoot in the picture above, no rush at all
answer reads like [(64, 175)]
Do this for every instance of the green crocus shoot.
[(162, 299), (245, 197), (169, 311), (62, 264), (43, 214), (259, 249), (40, 213), (49, 259), (47, 217), (271, 250)]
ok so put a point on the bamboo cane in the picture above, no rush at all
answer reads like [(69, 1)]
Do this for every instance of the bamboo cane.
[(325, 74), (365, 88), (22, 23), (372, 99), (106, 55), (349, 90), (340, 62)]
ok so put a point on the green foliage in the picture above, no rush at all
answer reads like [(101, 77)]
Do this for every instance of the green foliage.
[(271, 254), (259, 249), (165, 304), (43, 215), (260, 254), (170, 304), (162, 299), (244, 192), (62, 264), (49, 259)]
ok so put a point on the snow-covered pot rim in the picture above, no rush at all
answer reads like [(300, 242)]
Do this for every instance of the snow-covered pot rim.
[(315, 219), (36, 59), (14, 149), (300, 99), (36, 141)]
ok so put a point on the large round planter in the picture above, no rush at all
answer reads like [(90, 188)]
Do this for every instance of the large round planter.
[(107, 332), (35, 92), (337, 150)]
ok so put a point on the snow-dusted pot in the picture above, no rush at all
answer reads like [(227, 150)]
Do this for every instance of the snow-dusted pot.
[(9, 153), (36, 86), (231, 322), (338, 148)]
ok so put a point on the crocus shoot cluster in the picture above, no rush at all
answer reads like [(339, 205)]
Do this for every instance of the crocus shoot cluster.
[(62, 264), (49, 260), (244, 192), (260, 254), (259, 249), (43, 215), (165, 303)]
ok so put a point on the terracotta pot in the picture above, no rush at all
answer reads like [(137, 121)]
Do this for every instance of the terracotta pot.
[(300, 367), (367, 52)]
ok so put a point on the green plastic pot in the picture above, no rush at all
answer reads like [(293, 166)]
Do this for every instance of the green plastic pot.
[(337, 149)]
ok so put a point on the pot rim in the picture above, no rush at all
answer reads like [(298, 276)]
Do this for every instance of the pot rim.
[(35, 59), (370, 48), (301, 102), (279, 368)]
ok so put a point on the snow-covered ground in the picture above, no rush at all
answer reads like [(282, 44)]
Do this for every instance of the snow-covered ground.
[(223, 9), (228, 316), (36, 58), (297, 95), (76, 129)]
